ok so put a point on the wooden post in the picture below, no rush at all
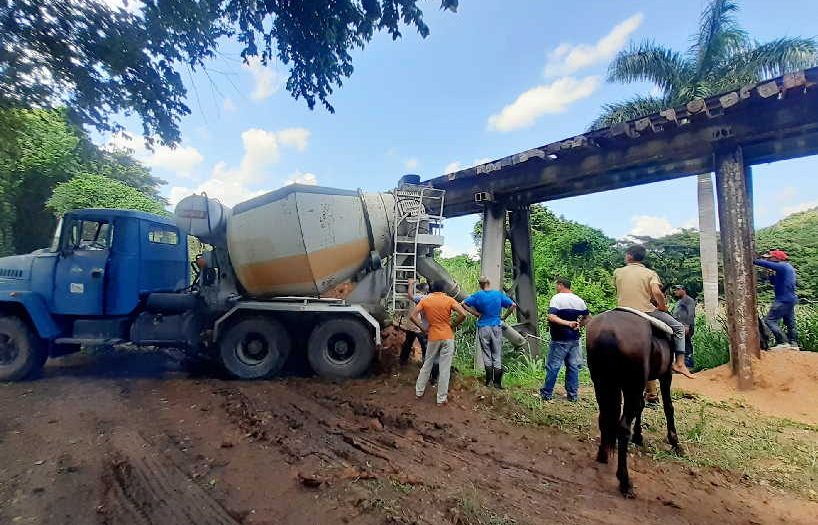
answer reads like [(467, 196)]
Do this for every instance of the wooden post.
[(735, 218)]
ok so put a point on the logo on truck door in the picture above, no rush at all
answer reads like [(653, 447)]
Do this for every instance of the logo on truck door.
[(77, 288)]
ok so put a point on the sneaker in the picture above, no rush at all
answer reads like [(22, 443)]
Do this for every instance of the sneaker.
[(781, 346), (573, 399), (794, 346), (443, 403)]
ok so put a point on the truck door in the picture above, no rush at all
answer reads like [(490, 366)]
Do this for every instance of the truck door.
[(79, 280)]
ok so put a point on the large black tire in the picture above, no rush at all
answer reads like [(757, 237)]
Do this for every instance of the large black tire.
[(22, 353), (255, 348), (340, 348)]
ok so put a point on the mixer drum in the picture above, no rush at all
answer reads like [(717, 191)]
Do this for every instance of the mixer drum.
[(305, 240)]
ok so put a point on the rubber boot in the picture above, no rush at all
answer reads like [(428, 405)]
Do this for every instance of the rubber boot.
[(498, 378), (489, 375)]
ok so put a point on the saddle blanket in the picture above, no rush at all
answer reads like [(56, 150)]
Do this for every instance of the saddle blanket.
[(654, 321)]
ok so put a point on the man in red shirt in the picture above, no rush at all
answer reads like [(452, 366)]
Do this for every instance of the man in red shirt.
[(437, 309)]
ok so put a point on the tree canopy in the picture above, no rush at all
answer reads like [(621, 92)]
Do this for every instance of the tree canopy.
[(97, 191), (100, 61), (40, 149), (722, 57)]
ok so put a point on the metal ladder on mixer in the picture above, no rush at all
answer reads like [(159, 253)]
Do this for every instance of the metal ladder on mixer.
[(418, 219)]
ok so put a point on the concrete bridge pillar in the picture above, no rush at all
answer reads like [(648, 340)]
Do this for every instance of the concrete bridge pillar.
[(733, 190)]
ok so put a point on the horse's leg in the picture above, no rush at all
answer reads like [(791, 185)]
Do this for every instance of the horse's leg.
[(629, 411), (637, 438), (667, 403), (608, 399)]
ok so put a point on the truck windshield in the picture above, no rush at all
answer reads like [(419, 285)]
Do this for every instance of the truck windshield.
[(55, 241)]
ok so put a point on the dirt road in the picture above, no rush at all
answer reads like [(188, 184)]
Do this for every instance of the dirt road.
[(133, 440)]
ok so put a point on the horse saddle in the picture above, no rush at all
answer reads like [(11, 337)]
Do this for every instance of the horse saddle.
[(655, 323)]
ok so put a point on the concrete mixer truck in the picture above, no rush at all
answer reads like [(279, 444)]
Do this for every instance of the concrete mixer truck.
[(303, 268)]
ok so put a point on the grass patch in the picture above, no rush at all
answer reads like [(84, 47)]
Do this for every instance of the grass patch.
[(470, 511), (768, 451)]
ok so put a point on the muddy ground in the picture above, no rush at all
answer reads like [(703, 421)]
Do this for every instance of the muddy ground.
[(133, 439)]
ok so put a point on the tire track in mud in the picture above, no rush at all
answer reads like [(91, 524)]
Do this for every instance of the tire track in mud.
[(141, 487)]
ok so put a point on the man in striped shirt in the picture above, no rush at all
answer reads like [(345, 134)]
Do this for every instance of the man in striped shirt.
[(566, 314)]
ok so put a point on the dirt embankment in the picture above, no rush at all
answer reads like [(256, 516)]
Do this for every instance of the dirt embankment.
[(786, 385), (110, 443)]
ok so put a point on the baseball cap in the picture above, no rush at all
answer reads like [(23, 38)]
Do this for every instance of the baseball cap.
[(781, 255), (679, 287)]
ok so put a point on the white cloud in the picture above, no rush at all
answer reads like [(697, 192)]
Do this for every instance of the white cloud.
[(411, 164), (798, 208), (566, 59), (451, 167), (262, 149), (228, 105), (448, 251), (267, 80), (548, 98), (302, 178), (181, 160), (295, 137), (651, 226)]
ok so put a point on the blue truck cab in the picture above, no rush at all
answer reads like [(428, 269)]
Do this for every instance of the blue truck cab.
[(91, 286)]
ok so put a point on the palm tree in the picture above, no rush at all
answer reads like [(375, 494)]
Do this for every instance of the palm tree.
[(722, 57)]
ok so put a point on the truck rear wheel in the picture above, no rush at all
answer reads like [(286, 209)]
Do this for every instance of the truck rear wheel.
[(22, 354), (255, 348), (340, 348)]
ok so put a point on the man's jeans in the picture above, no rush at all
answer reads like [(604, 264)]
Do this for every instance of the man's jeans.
[(677, 327), (560, 352), (689, 348), (785, 311)]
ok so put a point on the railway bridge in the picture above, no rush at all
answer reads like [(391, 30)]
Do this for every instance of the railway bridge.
[(773, 120)]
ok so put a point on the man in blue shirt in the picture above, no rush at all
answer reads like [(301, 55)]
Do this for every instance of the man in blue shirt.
[(783, 279), (566, 314), (487, 305)]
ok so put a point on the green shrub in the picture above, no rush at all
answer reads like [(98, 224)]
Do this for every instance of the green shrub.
[(711, 348), (806, 318)]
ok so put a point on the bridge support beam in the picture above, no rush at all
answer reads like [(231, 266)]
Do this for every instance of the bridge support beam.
[(525, 291), (733, 186), (493, 244)]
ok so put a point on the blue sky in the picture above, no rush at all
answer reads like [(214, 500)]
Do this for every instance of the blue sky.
[(496, 78)]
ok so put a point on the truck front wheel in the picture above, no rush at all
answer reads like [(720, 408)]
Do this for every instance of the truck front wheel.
[(21, 351), (255, 348), (340, 348)]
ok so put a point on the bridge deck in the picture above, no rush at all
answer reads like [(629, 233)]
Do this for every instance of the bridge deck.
[(774, 120)]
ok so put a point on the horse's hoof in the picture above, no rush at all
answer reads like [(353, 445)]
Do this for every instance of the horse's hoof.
[(627, 491), (602, 457), (678, 450), (638, 440)]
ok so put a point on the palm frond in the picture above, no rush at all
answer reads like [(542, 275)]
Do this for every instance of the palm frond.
[(631, 109), (650, 62), (769, 59), (719, 36)]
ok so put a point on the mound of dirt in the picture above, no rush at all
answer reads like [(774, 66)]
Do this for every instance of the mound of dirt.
[(786, 385)]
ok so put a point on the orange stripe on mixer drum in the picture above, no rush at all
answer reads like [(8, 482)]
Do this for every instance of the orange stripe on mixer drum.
[(303, 268)]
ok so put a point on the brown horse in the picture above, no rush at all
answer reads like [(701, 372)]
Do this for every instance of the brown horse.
[(623, 354)]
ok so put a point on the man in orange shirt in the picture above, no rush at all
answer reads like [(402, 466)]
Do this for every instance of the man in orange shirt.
[(437, 308)]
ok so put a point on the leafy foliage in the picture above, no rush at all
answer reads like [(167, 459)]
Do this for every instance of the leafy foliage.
[(798, 236), (722, 57), (38, 150), (97, 191), (100, 61)]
